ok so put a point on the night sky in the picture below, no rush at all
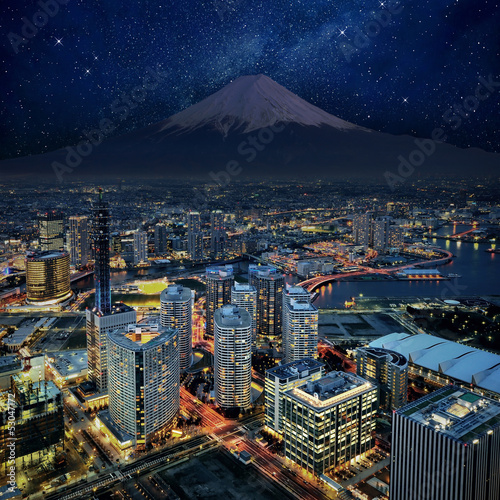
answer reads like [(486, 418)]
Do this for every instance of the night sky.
[(61, 78)]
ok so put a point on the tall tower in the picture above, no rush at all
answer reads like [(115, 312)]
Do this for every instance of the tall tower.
[(140, 247), (232, 357), (217, 234), (244, 296), (269, 284), (195, 236), (300, 335), (291, 292), (104, 317), (160, 239), (79, 241), (361, 229), (51, 230), (220, 279), (176, 312)]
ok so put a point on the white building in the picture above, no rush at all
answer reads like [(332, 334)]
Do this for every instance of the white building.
[(245, 296), (176, 312), (233, 357), (144, 383), (300, 335), (140, 247)]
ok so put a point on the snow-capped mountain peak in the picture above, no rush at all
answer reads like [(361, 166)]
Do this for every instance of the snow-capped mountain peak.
[(250, 103)]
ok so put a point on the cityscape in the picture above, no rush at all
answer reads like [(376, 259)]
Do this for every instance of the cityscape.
[(249, 250)]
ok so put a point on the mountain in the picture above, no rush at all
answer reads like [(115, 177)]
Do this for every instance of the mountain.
[(254, 127)]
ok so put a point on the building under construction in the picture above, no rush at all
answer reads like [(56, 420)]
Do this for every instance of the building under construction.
[(37, 408)]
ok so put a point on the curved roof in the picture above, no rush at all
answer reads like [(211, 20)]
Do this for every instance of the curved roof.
[(458, 361)]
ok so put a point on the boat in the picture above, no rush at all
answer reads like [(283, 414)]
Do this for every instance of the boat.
[(493, 250)]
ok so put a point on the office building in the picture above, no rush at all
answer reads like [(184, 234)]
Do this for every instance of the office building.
[(160, 239), (388, 370), (300, 334), (144, 380), (446, 446), (195, 236), (244, 296), (283, 378), (37, 407), (220, 280), (140, 247), (232, 357), (104, 317), (217, 234), (176, 313), (329, 422), (48, 277), (51, 230), (269, 284), (79, 241)]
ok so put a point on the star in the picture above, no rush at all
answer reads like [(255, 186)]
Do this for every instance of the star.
[(58, 41), (87, 71), (405, 100), (342, 32)]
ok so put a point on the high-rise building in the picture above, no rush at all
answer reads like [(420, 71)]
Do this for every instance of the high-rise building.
[(300, 335), (79, 241), (361, 229), (446, 446), (48, 277), (140, 247), (36, 409), (281, 379), (396, 237), (269, 284), (160, 239), (195, 236), (217, 234), (380, 232), (51, 230), (292, 292), (176, 313), (244, 296), (220, 279), (103, 318), (389, 370), (329, 422), (232, 357), (144, 383)]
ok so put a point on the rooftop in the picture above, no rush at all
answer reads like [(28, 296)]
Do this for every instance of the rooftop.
[(395, 357), (175, 292), (68, 363), (295, 369), (458, 361), (221, 271), (243, 287), (455, 412), (232, 316), (141, 337), (301, 305), (45, 255)]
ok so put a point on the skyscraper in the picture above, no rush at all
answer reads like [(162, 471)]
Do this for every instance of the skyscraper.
[(140, 247), (389, 370), (103, 318), (160, 239), (176, 313), (361, 229), (446, 446), (245, 296), (380, 233), (291, 292), (144, 382), (269, 284), (79, 244), (217, 234), (232, 357), (220, 279), (51, 230), (195, 236), (300, 334)]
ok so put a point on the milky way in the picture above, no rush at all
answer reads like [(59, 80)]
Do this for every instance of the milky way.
[(394, 67)]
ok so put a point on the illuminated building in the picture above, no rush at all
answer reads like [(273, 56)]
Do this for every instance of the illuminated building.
[(103, 318), (144, 383), (281, 379), (47, 277), (300, 333), (292, 292), (232, 357), (329, 422), (380, 229), (217, 234), (176, 312), (361, 229), (37, 411), (51, 230), (79, 241), (140, 247), (195, 236), (396, 237), (220, 279), (269, 284), (160, 239), (446, 446), (245, 296), (389, 370)]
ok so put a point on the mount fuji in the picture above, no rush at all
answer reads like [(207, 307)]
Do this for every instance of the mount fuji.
[(254, 127)]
